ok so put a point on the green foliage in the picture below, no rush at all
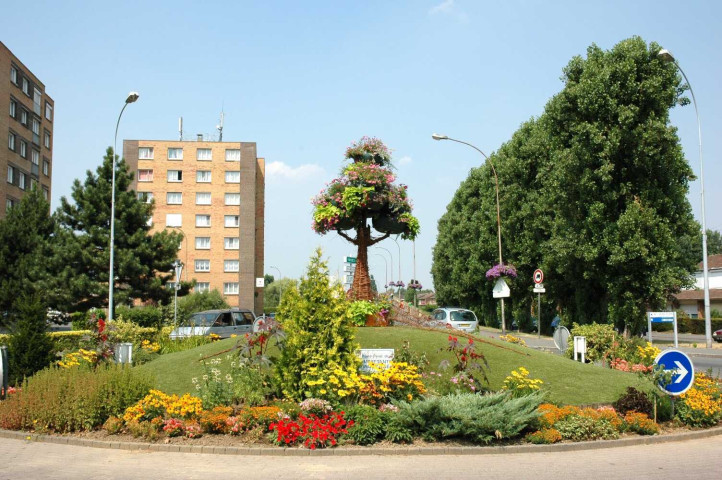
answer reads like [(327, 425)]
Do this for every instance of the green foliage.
[(369, 424), (147, 316), (478, 418), (579, 428), (68, 400), (360, 309), (122, 331), (600, 339), (30, 348), (319, 334), (197, 302), (634, 401), (273, 292), (143, 261), (593, 192)]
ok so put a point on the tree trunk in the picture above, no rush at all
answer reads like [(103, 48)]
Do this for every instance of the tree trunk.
[(361, 286)]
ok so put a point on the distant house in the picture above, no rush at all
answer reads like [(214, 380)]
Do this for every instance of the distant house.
[(428, 298), (692, 301)]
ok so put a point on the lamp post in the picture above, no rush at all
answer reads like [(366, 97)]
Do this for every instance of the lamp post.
[(392, 261), (386, 268), (132, 97), (668, 57), (178, 266), (400, 277), (185, 237), (280, 286), (436, 136)]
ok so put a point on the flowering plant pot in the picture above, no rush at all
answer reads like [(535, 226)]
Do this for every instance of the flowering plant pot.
[(387, 224), (344, 223), (501, 270), (376, 320)]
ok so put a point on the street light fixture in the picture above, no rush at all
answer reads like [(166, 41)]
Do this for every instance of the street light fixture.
[(386, 269), (400, 282), (186, 240), (392, 261), (437, 136), (280, 285), (132, 97), (668, 57), (178, 267)]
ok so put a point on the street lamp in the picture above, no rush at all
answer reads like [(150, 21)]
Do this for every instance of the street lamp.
[(178, 267), (280, 286), (392, 261), (386, 268), (668, 57), (186, 240), (400, 282), (436, 136), (132, 97)]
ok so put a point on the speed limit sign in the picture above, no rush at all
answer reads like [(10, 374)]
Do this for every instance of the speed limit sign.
[(538, 276)]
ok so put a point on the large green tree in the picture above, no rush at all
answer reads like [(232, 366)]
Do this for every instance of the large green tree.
[(593, 191), (143, 261)]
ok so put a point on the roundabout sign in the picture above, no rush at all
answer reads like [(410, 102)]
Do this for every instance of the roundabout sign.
[(680, 366)]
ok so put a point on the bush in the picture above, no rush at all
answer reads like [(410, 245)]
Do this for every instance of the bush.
[(30, 348), (544, 436), (634, 401), (701, 405), (148, 316), (600, 339), (196, 302), (61, 400), (369, 424), (640, 423), (581, 427), (113, 425)]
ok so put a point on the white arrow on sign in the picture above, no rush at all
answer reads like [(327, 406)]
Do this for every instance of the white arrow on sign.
[(680, 371)]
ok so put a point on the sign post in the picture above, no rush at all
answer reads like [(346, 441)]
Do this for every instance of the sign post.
[(538, 289), (661, 317), (681, 368), (4, 367)]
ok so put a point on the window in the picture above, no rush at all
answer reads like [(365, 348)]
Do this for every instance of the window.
[(145, 197), (233, 176), (46, 140), (173, 220), (33, 183), (23, 149), (203, 265), (175, 154), (36, 126), (150, 222), (145, 175), (11, 174), (145, 153), (46, 167), (174, 198), (11, 141), (24, 117), (230, 220), (204, 154), (14, 75), (35, 157), (9, 203), (37, 100), (203, 220), (46, 193), (233, 198), (230, 288), (26, 86), (202, 287), (230, 243), (230, 265), (175, 175), (203, 176), (48, 111), (13, 108), (203, 198), (233, 155), (21, 181), (203, 243)]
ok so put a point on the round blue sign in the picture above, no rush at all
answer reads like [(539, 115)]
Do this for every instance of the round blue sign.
[(680, 365)]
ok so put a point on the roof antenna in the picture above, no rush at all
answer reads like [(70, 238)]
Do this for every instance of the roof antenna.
[(220, 127), (180, 128)]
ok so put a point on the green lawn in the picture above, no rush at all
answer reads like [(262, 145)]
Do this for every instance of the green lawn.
[(565, 381)]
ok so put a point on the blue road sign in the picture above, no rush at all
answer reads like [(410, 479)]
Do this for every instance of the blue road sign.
[(662, 317), (682, 371)]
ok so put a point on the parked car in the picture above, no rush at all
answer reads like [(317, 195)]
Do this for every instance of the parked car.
[(453, 317), (717, 335), (224, 323)]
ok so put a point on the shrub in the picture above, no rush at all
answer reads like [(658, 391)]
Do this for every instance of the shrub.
[(634, 401), (600, 339), (113, 425), (369, 425), (148, 316), (581, 427), (30, 348), (640, 423), (544, 436), (312, 431), (122, 330), (143, 429), (67, 400), (701, 405)]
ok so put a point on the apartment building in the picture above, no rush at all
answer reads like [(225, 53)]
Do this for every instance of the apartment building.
[(28, 125), (213, 192)]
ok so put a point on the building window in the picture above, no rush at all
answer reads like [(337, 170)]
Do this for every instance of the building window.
[(21, 180), (145, 197), (233, 176), (202, 287), (46, 167), (230, 265), (23, 148), (46, 193), (175, 154), (230, 288), (9, 203), (174, 198), (11, 174), (203, 265), (33, 183), (203, 198), (26, 86), (37, 100), (46, 140), (11, 141), (14, 75), (24, 117), (145, 175), (48, 111), (231, 220), (230, 243), (203, 220), (203, 243), (233, 155), (35, 157), (204, 154), (145, 153), (173, 220), (203, 176), (150, 222), (36, 127), (233, 198), (175, 175), (13, 108)]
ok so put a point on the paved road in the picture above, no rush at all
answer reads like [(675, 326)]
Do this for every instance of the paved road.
[(696, 459)]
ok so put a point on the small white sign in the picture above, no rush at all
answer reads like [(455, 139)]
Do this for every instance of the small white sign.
[(260, 283), (501, 289), (375, 355), (539, 288)]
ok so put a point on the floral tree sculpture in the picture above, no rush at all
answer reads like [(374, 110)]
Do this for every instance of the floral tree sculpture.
[(365, 191)]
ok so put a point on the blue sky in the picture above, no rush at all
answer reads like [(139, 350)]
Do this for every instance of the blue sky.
[(304, 79)]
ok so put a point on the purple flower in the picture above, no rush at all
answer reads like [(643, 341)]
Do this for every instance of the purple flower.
[(501, 270)]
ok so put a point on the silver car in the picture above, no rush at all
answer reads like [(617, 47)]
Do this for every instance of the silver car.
[(223, 323), (458, 318)]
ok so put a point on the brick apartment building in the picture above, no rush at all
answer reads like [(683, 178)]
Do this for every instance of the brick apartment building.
[(213, 192), (28, 125)]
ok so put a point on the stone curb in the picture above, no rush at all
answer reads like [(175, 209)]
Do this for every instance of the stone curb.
[(346, 452)]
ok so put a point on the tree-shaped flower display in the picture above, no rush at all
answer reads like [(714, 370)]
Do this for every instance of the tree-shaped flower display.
[(365, 191)]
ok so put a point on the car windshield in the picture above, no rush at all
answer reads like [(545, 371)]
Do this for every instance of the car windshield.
[(202, 319), (462, 316)]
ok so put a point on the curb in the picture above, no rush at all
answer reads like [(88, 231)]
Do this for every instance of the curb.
[(346, 452)]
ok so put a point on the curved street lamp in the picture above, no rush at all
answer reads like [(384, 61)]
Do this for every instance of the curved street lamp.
[(186, 247), (400, 277), (392, 261), (386, 268), (668, 57), (280, 285), (436, 136), (132, 97)]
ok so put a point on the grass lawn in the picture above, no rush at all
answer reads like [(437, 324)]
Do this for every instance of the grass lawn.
[(565, 381)]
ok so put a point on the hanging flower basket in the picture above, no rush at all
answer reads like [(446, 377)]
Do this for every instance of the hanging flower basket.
[(345, 223), (415, 285), (501, 270), (387, 224)]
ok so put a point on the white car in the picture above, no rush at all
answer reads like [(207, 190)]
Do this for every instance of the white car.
[(458, 318)]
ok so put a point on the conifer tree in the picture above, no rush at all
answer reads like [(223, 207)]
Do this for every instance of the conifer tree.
[(30, 348)]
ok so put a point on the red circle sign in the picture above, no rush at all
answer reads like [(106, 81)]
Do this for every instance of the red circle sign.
[(538, 276)]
